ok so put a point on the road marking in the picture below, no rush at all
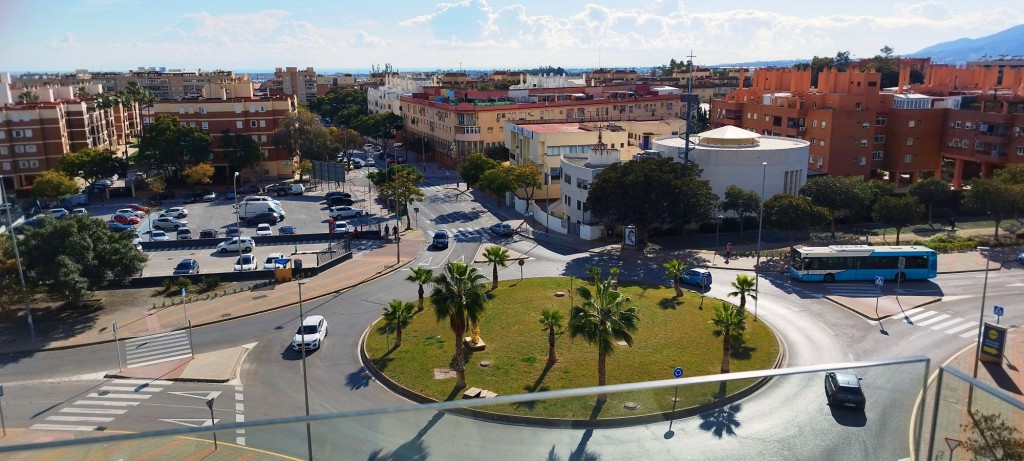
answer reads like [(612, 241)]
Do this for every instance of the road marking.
[(94, 411), (131, 389), (199, 394), (239, 407), (80, 419), (913, 311), (933, 320), (191, 422), (922, 315), (62, 427), (238, 396), (151, 382), (969, 324), (95, 395), (969, 334), (109, 404), (947, 324)]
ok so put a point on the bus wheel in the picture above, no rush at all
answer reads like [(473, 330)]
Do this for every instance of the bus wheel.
[(829, 278), (901, 277)]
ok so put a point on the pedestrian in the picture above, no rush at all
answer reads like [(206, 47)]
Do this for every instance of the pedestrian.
[(355, 233), (395, 230), (952, 224), (386, 231), (728, 252)]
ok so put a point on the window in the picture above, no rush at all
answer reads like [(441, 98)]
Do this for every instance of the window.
[(263, 109), (821, 142), (955, 142), (1020, 150), (910, 123), (238, 124), (263, 138), (579, 205), (908, 158), (823, 124), (263, 123), (910, 141), (238, 108), (252, 124), (192, 124), (567, 199), (3, 150), (863, 143), (877, 155), (18, 133), (556, 172), (202, 109), (30, 148), (979, 145), (19, 149), (965, 143), (568, 179), (879, 139), (864, 124), (3, 134), (856, 106), (7, 166), (255, 138), (814, 123), (206, 125), (880, 120), (181, 109), (862, 160), (958, 124), (191, 110)]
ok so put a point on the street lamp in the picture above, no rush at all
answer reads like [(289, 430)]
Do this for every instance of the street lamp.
[(17, 257), (981, 323), (718, 223), (305, 383), (760, 226), (238, 226)]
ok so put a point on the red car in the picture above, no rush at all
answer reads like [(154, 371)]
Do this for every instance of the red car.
[(137, 207), (132, 220)]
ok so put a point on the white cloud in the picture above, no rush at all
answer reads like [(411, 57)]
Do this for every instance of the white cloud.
[(65, 41)]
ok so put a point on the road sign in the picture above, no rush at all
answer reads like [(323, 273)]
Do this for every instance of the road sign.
[(998, 311), (952, 443), (879, 281), (182, 292), (901, 263), (678, 372)]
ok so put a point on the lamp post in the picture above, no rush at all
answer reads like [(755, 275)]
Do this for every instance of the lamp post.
[(981, 324), (238, 214), (305, 384), (760, 226), (17, 258), (718, 223)]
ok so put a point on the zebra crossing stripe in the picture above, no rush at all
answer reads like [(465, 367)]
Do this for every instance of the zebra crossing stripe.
[(961, 327), (95, 395), (150, 382), (934, 320), (131, 389), (913, 311), (971, 333), (922, 315), (80, 419), (106, 403), (94, 411), (62, 427), (947, 324)]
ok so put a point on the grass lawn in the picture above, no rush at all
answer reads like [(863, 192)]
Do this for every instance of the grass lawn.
[(673, 333)]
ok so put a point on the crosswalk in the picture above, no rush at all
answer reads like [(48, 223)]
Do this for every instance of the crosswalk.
[(469, 234), (941, 322), (158, 348), (96, 409)]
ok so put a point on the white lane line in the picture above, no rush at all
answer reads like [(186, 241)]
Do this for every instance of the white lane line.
[(239, 418), (240, 407), (166, 359), (947, 324), (62, 427), (156, 382), (969, 334), (933, 320), (922, 315), (238, 396), (80, 419), (95, 395), (961, 327), (131, 389), (106, 403), (913, 311), (94, 411), (240, 440)]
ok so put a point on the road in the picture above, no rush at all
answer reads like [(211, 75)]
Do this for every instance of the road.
[(787, 419)]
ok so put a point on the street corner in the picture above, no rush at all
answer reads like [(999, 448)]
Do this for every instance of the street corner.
[(882, 308), (218, 366), (512, 254)]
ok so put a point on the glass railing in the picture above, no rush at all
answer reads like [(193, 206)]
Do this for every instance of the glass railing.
[(772, 414)]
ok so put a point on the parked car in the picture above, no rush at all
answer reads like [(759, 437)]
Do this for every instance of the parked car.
[(165, 195), (208, 233), (271, 262), (229, 195), (189, 199), (370, 147), (58, 213), (131, 212), (342, 212), (245, 263), (1020, 258), (186, 266), (277, 186), (266, 217), (114, 226), (125, 219), (210, 196), (502, 229), (440, 239), (168, 223), (157, 236), (137, 207), (184, 233), (844, 389), (79, 212), (697, 277), (358, 163), (264, 230), (335, 193), (311, 333), (232, 232), (340, 201), (245, 243), (298, 189), (287, 230), (175, 212), (342, 228), (249, 189)]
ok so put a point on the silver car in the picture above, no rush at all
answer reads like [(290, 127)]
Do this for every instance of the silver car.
[(169, 223)]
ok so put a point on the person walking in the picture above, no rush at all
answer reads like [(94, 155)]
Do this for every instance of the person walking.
[(395, 230), (386, 231), (728, 252)]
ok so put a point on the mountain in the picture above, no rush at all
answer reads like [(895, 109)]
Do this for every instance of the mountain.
[(1009, 42)]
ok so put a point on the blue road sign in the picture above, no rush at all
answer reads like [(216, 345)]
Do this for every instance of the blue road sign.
[(879, 281), (678, 372), (998, 311)]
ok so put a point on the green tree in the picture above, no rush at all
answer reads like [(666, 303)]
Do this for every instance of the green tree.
[(242, 153), (898, 212), (459, 296), (742, 202), (347, 140), (474, 167), (496, 256), (89, 164), (166, 144), (730, 324), (305, 168), (673, 270), (11, 294), (603, 319), (992, 438), (74, 256), (53, 184), (999, 199), (498, 153), (792, 213), (841, 196), (156, 185), (200, 173), (28, 97), (507, 178), (343, 106), (382, 126), (302, 135), (930, 192), (551, 320), (400, 182), (594, 273), (420, 276), (398, 314), (649, 192), (876, 190), (744, 286)]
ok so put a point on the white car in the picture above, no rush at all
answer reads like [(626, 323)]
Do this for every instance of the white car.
[(210, 197), (342, 212), (168, 223), (311, 333), (264, 229), (245, 262), (79, 212), (175, 212), (58, 213), (245, 243), (158, 236), (271, 262), (130, 212), (370, 147)]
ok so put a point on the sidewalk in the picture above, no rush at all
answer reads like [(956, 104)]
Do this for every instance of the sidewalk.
[(181, 447)]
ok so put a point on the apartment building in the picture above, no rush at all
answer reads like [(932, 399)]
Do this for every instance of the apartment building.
[(165, 84), (292, 81)]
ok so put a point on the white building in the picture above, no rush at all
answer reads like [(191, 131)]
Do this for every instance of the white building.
[(380, 99), (578, 173), (730, 155)]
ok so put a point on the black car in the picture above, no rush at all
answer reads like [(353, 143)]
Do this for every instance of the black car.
[(278, 186), (208, 234), (844, 389), (340, 201), (186, 266), (335, 193), (165, 195), (265, 217), (248, 189)]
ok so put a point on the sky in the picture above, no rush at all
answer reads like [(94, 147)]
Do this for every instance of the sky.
[(119, 35)]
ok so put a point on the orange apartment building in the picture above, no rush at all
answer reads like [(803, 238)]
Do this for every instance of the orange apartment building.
[(164, 84)]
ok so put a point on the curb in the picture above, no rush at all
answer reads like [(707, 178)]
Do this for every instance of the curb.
[(875, 319)]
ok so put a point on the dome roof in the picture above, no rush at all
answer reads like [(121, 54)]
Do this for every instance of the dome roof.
[(729, 136)]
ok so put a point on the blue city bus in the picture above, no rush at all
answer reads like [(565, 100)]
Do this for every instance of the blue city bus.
[(863, 262)]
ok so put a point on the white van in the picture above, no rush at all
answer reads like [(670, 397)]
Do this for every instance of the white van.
[(250, 208), (298, 189), (261, 198)]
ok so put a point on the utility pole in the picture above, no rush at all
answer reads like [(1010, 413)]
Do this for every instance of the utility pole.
[(17, 258)]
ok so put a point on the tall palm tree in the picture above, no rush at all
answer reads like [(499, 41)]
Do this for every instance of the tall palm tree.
[(744, 286), (420, 276), (603, 319), (459, 296), (398, 314), (496, 256), (551, 319), (730, 323), (28, 97), (673, 270)]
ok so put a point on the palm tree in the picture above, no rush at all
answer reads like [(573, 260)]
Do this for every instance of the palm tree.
[(551, 319), (673, 270), (398, 314), (420, 276), (594, 272), (496, 256), (28, 97), (744, 286), (459, 297), (730, 323), (603, 319)]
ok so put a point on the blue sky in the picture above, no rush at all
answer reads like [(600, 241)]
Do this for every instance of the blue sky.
[(257, 34)]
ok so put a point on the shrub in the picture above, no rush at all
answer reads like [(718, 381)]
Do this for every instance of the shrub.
[(167, 285), (945, 243), (180, 283), (208, 284)]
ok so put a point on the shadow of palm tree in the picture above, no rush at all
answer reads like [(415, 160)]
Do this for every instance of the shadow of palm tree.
[(721, 421), (670, 303), (358, 379), (412, 450), (535, 387)]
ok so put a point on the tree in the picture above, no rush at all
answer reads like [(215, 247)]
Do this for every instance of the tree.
[(157, 185), (999, 199), (11, 294), (201, 173), (496, 256), (89, 164), (498, 153), (400, 182), (992, 438), (841, 196), (876, 190), (420, 276), (166, 144), (730, 325), (302, 135), (744, 286), (28, 97), (792, 213), (474, 167), (930, 192), (242, 153), (305, 168), (53, 184), (742, 202), (398, 314), (602, 320), (649, 192), (343, 106), (382, 126), (898, 212), (347, 140), (74, 256), (551, 320), (507, 178), (673, 270), (460, 298)]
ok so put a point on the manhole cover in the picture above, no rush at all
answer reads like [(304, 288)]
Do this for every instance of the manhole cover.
[(485, 363), (259, 297), (631, 405), (225, 315)]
